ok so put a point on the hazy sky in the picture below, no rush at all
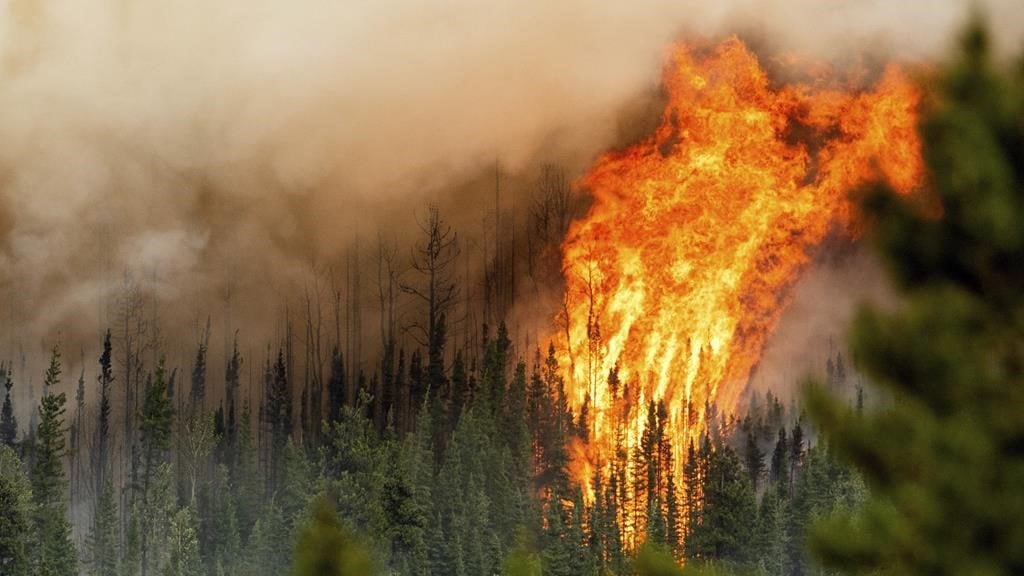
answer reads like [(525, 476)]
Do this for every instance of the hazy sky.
[(213, 140)]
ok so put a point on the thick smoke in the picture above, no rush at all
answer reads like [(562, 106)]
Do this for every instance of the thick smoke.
[(226, 147), (814, 326)]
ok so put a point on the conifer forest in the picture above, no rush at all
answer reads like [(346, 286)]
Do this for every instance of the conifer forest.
[(657, 290)]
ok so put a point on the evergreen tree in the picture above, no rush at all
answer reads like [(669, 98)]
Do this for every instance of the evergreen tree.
[(754, 461), (780, 461), (768, 544), (183, 556), (693, 499), (103, 440), (153, 507), (15, 516), (269, 552), (232, 383), (8, 422), (796, 451), (673, 518), (279, 417), (729, 511), (247, 477), (198, 392), (336, 385), (460, 385), (54, 552), (103, 538), (221, 548), (943, 457)]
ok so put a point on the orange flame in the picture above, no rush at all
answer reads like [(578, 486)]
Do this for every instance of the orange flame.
[(680, 269)]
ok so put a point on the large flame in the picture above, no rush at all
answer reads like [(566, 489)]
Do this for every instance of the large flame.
[(682, 266)]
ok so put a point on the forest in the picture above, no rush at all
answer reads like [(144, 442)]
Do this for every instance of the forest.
[(457, 451)]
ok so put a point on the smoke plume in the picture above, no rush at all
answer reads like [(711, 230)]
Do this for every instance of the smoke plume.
[(224, 148)]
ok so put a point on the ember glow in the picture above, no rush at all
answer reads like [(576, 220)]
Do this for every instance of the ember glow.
[(682, 266)]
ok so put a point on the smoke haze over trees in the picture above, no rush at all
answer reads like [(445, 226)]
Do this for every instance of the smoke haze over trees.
[(277, 288)]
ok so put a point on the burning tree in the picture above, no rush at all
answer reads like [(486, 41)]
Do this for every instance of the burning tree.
[(682, 266)]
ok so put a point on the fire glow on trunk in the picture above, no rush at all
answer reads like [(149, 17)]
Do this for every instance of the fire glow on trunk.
[(681, 268)]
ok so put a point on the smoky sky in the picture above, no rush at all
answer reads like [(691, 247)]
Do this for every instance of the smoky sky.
[(222, 146)]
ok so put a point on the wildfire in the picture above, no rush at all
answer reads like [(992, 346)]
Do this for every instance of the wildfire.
[(682, 266)]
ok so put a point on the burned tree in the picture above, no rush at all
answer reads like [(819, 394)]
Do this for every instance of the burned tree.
[(434, 260)]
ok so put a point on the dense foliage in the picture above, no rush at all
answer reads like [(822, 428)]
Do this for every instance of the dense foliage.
[(944, 460)]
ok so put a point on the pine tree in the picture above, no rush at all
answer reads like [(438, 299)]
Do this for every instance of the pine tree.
[(693, 500), (15, 516), (106, 379), (754, 460), (336, 385), (103, 538), (232, 383), (8, 422), (796, 452), (247, 477), (269, 552), (729, 511), (54, 553), (223, 542), (673, 518), (279, 418), (780, 461), (104, 535), (768, 544), (152, 507), (460, 385), (198, 392)]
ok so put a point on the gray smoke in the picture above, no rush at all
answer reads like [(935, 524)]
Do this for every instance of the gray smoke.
[(228, 147)]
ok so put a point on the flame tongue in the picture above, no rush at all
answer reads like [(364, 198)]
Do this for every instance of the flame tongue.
[(680, 269)]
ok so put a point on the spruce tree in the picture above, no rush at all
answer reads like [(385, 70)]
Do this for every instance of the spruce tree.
[(8, 422), (780, 460), (232, 383), (198, 391), (729, 513), (336, 385), (103, 538), (152, 507), (54, 552), (279, 418), (754, 460)]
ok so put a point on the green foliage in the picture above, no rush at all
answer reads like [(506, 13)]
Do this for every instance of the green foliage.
[(729, 510), (653, 560), (522, 560), (157, 418), (943, 459), (103, 539), (325, 548), (54, 552), (270, 546), (15, 515), (8, 422), (183, 543)]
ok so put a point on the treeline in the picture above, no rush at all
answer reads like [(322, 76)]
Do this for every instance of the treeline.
[(476, 473)]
